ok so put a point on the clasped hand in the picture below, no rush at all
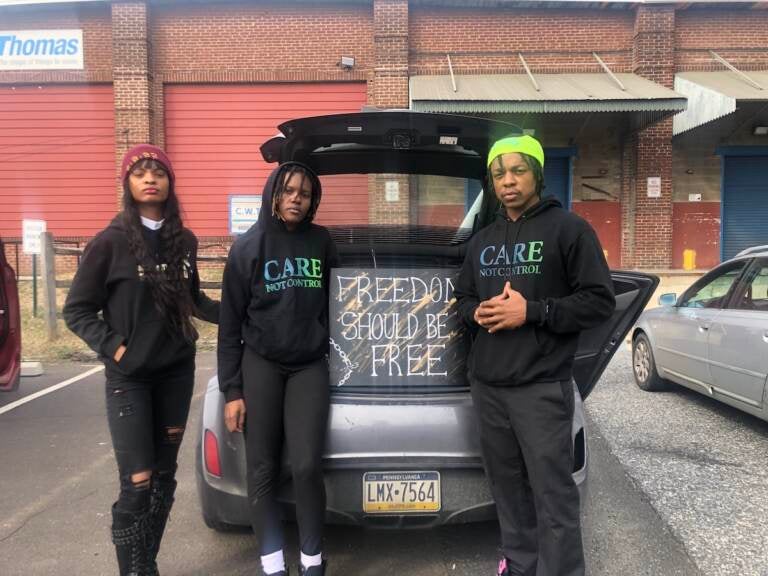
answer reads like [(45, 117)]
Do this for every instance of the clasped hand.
[(503, 312)]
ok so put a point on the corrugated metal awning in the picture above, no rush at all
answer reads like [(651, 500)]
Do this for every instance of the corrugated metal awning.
[(511, 93), (712, 95)]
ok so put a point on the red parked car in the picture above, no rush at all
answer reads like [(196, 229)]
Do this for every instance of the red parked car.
[(10, 326)]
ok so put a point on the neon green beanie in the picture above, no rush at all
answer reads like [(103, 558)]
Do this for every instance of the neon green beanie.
[(521, 144)]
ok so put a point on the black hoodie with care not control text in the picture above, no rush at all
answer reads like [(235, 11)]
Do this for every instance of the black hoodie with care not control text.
[(110, 279), (554, 259), (274, 295)]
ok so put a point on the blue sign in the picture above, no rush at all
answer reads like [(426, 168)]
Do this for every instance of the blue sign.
[(41, 49)]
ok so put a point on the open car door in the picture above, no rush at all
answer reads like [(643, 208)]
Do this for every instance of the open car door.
[(597, 345)]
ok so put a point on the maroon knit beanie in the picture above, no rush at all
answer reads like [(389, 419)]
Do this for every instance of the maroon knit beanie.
[(145, 152)]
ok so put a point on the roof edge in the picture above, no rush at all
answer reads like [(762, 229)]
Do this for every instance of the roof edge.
[(548, 107)]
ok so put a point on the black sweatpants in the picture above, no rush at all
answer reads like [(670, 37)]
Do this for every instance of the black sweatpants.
[(285, 404), (525, 434), (147, 418)]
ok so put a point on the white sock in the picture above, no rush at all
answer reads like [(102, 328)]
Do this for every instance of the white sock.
[(309, 561), (273, 563)]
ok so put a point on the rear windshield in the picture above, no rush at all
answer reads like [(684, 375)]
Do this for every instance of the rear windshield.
[(415, 202), (393, 321)]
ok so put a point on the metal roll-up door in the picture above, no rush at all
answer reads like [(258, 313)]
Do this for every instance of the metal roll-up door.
[(213, 133), (744, 203), (58, 158)]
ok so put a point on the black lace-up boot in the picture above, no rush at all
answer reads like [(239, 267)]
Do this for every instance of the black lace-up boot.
[(161, 501), (133, 539)]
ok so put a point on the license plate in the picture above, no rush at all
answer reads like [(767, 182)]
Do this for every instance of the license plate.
[(401, 492)]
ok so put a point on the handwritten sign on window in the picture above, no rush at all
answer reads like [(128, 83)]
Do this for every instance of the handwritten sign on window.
[(395, 328)]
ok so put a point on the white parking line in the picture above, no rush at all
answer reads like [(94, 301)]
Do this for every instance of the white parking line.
[(44, 391)]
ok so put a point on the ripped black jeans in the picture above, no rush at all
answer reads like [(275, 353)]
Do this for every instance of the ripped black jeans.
[(147, 418)]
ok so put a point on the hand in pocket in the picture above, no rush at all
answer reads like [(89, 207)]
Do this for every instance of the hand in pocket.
[(119, 352)]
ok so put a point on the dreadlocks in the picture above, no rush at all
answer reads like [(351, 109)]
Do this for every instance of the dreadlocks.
[(533, 166), (284, 174)]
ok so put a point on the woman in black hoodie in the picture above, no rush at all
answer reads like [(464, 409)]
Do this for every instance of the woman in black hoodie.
[(140, 273), (273, 344)]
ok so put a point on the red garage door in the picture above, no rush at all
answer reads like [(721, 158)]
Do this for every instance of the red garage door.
[(57, 158), (213, 134)]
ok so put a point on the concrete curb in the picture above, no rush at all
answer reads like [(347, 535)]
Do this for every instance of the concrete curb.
[(32, 369)]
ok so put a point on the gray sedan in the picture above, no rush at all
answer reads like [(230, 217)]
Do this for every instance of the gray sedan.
[(402, 448), (712, 339)]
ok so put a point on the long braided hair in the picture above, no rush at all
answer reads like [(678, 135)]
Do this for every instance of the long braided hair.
[(170, 288), (284, 174)]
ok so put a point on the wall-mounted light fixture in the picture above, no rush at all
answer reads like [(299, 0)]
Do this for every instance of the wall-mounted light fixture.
[(760, 131), (347, 62)]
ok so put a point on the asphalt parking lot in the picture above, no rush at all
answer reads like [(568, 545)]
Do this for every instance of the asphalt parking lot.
[(702, 465), (677, 487)]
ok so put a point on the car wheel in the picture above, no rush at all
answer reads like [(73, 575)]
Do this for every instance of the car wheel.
[(644, 366)]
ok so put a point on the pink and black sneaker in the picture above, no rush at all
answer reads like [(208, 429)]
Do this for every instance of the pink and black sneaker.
[(503, 569)]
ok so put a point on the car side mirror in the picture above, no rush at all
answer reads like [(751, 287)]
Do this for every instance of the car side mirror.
[(668, 299)]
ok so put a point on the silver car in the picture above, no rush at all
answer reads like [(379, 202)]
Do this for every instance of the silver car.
[(712, 339), (402, 448)]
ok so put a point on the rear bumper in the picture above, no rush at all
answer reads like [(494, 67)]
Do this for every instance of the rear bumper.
[(465, 497), (436, 434)]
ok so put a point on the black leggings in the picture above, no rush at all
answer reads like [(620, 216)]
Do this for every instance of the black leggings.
[(285, 403), (147, 420)]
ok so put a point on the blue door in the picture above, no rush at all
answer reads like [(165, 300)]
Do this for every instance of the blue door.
[(557, 178), (744, 203)]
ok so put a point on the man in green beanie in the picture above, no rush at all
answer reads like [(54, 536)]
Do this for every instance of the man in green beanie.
[(530, 282)]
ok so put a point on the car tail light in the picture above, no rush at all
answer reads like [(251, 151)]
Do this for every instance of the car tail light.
[(211, 453)]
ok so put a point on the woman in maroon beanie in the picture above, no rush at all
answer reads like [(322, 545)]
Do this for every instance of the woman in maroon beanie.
[(141, 274)]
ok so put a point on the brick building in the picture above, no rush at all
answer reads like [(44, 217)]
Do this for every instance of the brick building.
[(654, 115)]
